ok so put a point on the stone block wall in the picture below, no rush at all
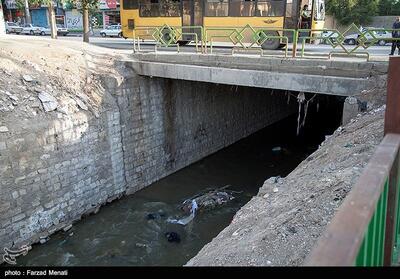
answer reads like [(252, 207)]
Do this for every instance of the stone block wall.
[(56, 170)]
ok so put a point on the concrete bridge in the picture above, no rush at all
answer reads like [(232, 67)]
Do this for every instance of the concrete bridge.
[(157, 113), (341, 78)]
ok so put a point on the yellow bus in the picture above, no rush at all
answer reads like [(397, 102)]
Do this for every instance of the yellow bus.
[(269, 14)]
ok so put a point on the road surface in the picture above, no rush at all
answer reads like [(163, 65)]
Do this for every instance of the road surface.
[(127, 44)]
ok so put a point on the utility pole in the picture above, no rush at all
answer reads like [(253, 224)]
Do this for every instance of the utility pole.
[(27, 13)]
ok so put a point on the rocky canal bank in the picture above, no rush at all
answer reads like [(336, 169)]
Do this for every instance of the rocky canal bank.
[(280, 225)]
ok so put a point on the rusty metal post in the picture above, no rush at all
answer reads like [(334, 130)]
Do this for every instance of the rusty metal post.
[(392, 116), (392, 125)]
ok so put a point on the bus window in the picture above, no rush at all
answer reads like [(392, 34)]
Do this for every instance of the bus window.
[(217, 7), (130, 4), (156, 8), (270, 7), (149, 8), (289, 8), (242, 8), (319, 10), (170, 8)]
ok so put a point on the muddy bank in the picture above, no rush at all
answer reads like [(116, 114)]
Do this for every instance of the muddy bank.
[(281, 224)]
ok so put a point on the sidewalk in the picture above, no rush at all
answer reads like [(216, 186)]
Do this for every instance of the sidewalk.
[(79, 33)]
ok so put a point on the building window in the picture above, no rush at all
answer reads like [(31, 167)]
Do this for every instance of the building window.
[(130, 4), (217, 7), (157, 8)]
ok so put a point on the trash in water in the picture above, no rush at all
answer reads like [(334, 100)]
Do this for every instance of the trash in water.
[(209, 200), (188, 219), (203, 201), (173, 237)]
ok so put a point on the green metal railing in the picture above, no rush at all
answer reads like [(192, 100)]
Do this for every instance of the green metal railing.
[(252, 38), (337, 40), (246, 38), (167, 36), (366, 229), (372, 249)]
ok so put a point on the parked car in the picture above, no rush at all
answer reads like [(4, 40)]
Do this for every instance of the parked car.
[(329, 35), (31, 29), (12, 27), (382, 36), (112, 31), (61, 30)]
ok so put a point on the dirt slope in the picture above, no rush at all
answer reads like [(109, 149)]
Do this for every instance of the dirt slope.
[(282, 223)]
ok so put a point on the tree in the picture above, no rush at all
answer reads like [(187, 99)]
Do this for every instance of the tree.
[(52, 14), (85, 6), (389, 7), (359, 12)]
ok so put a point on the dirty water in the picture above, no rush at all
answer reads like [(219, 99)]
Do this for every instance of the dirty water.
[(124, 234)]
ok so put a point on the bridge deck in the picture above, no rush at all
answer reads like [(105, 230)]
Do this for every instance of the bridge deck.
[(344, 78)]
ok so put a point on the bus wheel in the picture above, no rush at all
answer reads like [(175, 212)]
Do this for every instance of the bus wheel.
[(271, 44), (282, 46), (183, 43), (167, 38)]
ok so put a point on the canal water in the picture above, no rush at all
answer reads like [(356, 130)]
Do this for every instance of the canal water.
[(121, 234)]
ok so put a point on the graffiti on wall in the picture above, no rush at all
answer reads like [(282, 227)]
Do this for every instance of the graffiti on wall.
[(73, 19)]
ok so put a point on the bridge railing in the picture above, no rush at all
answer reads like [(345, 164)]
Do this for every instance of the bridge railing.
[(252, 38), (248, 38), (366, 229), (351, 42), (167, 36)]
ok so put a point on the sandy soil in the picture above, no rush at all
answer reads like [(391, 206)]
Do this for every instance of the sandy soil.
[(63, 71)]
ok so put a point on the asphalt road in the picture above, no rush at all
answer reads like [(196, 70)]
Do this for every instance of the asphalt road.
[(127, 44)]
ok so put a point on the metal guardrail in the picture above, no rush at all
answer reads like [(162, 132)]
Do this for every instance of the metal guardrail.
[(247, 37), (167, 36), (366, 229), (250, 38)]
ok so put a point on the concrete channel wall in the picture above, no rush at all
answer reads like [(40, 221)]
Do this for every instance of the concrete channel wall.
[(58, 169)]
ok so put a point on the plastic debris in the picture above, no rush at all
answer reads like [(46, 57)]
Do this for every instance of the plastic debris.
[(204, 201)]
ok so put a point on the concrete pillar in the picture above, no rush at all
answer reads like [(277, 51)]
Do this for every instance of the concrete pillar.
[(104, 19), (350, 110)]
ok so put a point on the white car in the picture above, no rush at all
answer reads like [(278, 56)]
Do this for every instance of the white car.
[(31, 29), (329, 35), (12, 27), (61, 30), (112, 31), (382, 36)]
